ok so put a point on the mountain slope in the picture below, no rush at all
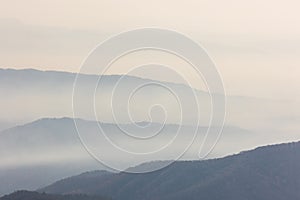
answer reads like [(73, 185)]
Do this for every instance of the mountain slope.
[(78, 184), (53, 145), (270, 172), (58, 136), (40, 88), (27, 195)]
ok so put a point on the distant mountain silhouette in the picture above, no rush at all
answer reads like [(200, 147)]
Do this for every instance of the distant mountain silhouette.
[(28, 195), (53, 145), (266, 173), (54, 88)]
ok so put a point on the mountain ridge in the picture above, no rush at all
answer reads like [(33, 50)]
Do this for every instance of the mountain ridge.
[(117, 76), (268, 172), (53, 144), (140, 123), (30, 195)]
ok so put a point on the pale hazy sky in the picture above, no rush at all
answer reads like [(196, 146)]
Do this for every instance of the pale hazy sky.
[(255, 44)]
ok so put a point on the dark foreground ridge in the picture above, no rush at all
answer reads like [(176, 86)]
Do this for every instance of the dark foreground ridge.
[(28, 195), (270, 172)]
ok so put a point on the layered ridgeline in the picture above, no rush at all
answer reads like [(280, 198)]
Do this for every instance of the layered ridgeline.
[(52, 145), (30, 94), (270, 172)]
